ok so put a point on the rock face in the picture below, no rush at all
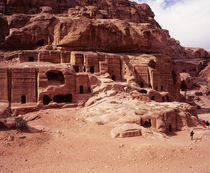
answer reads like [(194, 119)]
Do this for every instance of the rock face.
[(104, 9), (109, 26), (122, 109), (110, 36), (65, 53)]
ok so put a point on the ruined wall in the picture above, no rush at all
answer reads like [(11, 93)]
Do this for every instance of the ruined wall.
[(23, 85)]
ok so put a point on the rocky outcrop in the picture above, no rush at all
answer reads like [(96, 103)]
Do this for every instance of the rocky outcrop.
[(196, 53), (111, 36), (18, 20), (105, 9), (36, 33), (130, 115), (187, 81), (109, 26)]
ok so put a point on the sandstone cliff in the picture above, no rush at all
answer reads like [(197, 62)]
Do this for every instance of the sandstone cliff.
[(109, 26)]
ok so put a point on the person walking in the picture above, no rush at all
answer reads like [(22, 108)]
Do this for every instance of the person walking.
[(204, 124), (207, 124), (191, 134)]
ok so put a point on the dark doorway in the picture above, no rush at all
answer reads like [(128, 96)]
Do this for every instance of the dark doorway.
[(31, 59), (76, 69), (89, 90), (150, 85), (142, 84), (46, 100), (169, 128), (23, 99), (153, 98), (143, 91), (63, 98), (183, 70), (147, 123), (161, 88), (84, 69), (156, 88), (152, 64), (40, 43), (81, 89), (2, 126), (183, 86), (92, 70), (114, 77), (167, 98), (163, 99)]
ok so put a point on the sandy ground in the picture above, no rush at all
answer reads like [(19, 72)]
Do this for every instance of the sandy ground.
[(72, 145)]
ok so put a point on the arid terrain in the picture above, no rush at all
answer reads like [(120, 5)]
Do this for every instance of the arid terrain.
[(68, 144)]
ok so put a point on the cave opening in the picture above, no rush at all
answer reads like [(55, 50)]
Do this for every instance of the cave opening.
[(40, 43), (170, 128), (143, 91), (114, 77), (23, 99), (76, 69), (63, 98), (183, 86), (31, 59), (142, 84), (152, 64), (81, 89), (163, 99), (92, 70), (167, 98), (46, 100), (147, 123), (55, 76)]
